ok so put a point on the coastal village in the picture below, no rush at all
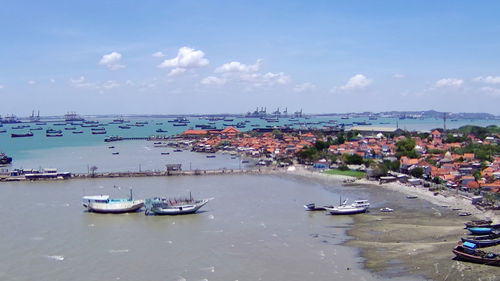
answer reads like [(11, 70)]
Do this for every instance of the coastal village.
[(433, 157)]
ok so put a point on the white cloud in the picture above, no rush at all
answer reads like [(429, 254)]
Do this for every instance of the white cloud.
[(304, 87), (176, 71), (273, 78), (158, 55), (31, 82), (112, 61), (110, 84), (449, 83), (212, 80), (493, 92), (1, 86), (80, 82), (187, 58), (52, 80), (488, 79), (235, 66), (358, 81), (398, 76)]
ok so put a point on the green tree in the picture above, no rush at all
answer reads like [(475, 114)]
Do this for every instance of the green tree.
[(352, 159), (406, 147), (418, 172), (477, 175)]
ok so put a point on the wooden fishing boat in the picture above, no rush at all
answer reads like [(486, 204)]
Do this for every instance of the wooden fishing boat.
[(173, 206), (467, 251), (481, 243), (480, 230), (478, 223), (105, 204)]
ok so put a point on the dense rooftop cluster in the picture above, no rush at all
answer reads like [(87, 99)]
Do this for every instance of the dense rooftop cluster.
[(461, 161)]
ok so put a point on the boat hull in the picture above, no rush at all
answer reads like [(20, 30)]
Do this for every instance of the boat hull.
[(482, 243), (117, 208), (173, 210), (480, 230), (346, 211), (475, 259)]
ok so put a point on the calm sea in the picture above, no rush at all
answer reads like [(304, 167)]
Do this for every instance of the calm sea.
[(255, 228)]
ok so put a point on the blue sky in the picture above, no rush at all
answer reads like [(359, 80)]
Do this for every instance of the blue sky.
[(172, 57)]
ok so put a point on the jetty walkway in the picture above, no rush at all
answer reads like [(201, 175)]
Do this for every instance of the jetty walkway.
[(139, 174)]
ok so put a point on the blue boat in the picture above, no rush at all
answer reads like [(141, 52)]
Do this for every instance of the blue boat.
[(480, 230)]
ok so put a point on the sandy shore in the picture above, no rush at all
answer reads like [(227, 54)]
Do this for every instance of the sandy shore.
[(418, 237)]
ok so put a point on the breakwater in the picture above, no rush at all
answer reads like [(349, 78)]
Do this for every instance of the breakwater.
[(132, 174)]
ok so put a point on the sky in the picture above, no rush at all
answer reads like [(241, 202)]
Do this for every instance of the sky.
[(192, 57)]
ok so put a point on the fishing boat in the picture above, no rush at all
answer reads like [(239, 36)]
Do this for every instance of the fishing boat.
[(478, 223), (386, 210), (166, 206), (4, 159), (357, 207), (105, 204), (480, 230), (161, 131), (28, 134), (467, 251), (484, 240), (312, 207), (411, 196)]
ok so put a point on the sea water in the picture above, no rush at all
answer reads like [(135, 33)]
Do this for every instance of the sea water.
[(255, 228)]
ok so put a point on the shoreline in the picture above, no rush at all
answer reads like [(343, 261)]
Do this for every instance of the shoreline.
[(417, 238)]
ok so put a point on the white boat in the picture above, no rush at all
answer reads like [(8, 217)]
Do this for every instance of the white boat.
[(104, 204), (386, 210), (166, 206), (358, 206)]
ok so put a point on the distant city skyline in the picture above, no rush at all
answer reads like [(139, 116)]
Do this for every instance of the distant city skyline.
[(209, 57)]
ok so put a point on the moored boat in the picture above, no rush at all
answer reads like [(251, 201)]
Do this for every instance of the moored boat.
[(479, 223), (4, 159), (28, 134), (483, 242), (166, 206), (357, 207), (312, 207), (467, 251), (105, 204), (480, 230)]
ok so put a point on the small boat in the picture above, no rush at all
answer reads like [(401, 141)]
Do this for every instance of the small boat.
[(478, 223), (480, 230), (166, 206), (111, 147), (53, 135), (52, 131), (104, 204), (312, 207), (4, 159), (28, 134), (115, 153), (411, 196), (357, 207), (124, 127), (467, 251), (98, 132), (464, 214), (77, 132), (161, 131), (165, 153), (386, 210), (210, 156), (481, 242), (177, 150)]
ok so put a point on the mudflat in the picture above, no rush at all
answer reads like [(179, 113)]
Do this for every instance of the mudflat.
[(416, 243)]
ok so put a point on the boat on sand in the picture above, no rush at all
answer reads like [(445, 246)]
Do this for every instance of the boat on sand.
[(467, 251), (357, 207)]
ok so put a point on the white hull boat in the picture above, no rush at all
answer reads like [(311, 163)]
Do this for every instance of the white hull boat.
[(359, 206), (104, 204)]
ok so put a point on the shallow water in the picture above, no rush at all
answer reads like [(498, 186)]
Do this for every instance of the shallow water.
[(254, 229)]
